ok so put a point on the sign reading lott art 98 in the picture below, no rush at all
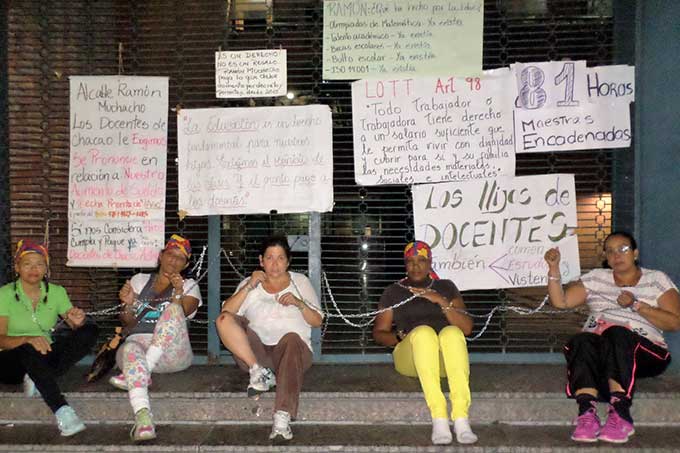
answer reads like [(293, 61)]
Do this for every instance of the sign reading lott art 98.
[(493, 233), (117, 173)]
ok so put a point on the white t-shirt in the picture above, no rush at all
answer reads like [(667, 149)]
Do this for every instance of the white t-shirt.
[(139, 281), (602, 293), (270, 320)]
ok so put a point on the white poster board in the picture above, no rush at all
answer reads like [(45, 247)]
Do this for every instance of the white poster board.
[(494, 233), (117, 173), (250, 73), (398, 38), (557, 110), (433, 129), (255, 160)]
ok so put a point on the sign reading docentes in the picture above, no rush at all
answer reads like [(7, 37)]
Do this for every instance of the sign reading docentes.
[(363, 39), (494, 233), (433, 129), (117, 172), (250, 73), (564, 106), (255, 160)]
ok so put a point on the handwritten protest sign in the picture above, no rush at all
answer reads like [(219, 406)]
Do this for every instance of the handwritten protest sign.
[(255, 160), (250, 73), (433, 129), (494, 233), (559, 110), (402, 37), (117, 174), (611, 83)]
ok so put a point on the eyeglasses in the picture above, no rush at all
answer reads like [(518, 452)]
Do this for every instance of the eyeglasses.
[(622, 250)]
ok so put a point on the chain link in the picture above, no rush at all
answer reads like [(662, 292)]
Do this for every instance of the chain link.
[(347, 318)]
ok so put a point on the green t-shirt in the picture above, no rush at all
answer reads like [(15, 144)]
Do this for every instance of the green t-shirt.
[(18, 313)]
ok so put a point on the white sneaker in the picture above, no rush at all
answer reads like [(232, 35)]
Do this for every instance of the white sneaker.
[(118, 381), (464, 434), (441, 431), (281, 427), (261, 380), (30, 390), (68, 422)]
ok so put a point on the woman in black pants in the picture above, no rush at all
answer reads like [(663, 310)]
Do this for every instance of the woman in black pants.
[(622, 340), (30, 308)]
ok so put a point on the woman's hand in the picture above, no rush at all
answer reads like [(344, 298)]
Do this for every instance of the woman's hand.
[(40, 344), (256, 278), (288, 298), (176, 281), (126, 295), (75, 317), (626, 299), (429, 294), (552, 257)]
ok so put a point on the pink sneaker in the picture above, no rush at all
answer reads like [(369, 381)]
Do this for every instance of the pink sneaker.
[(616, 429), (587, 427), (119, 382)]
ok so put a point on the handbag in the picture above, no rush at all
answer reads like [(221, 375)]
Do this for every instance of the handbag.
[(106, 356)]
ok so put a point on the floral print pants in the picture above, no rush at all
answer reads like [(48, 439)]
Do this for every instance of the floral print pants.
[(171, 335)]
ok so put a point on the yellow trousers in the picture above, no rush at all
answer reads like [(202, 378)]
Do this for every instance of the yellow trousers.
[(430, 357)]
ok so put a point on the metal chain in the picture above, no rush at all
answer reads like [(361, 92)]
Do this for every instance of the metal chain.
[(347, 318)]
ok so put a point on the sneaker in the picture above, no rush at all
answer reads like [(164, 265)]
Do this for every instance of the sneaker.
[(464, 434), (30, 390), (441, 431), (281, 427), (261, 380), (143, 429), (616, 429), (119, 382), (587, 427), (68, 422)]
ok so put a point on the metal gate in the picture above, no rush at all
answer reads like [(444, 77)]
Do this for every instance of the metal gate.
[(362, 239)]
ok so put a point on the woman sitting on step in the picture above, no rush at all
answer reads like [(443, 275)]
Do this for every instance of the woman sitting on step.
[(155, 309), (30, 308), (429, 342), (622, 339), (267, 325)]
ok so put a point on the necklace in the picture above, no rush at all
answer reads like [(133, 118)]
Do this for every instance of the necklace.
[(32, 310), (401, 284)]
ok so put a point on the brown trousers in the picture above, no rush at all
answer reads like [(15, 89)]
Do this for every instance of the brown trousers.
[(290, 358)]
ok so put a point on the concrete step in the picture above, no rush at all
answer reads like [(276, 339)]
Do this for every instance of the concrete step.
[(315, 407), (348, 408), (342, 394), (388, 438)]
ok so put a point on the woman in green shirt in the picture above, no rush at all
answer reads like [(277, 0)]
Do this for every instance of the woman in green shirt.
[(30, 309)]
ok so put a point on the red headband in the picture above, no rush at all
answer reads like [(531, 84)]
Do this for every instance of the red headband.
[(26, 246), (420, 248), (177, 241), (417, 248)]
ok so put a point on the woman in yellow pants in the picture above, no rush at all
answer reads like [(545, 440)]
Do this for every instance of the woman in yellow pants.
[(429, 340)]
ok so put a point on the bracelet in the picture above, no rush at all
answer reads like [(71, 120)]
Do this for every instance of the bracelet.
[(553, 278), (449, 306), (177, 296), (301, 306), (635, 306)]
